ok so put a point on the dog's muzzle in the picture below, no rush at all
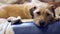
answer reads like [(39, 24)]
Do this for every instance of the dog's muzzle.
[(42, 23)]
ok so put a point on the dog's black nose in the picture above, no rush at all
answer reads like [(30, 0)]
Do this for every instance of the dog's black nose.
[(42, 23)]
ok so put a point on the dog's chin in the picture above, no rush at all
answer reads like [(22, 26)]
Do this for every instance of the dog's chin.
[(43, 25)]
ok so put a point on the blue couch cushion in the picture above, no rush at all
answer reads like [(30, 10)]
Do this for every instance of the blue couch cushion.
[(31, 28)]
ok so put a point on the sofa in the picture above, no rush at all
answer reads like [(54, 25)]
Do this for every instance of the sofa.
[(31, 28)]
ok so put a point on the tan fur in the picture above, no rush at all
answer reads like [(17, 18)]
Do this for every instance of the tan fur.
[(17, 10), (57, 12), (3, 13), (43, 12)]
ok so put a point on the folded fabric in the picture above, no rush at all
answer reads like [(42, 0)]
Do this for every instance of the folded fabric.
[(5, 27)]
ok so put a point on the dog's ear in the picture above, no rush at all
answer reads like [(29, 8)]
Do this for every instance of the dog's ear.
[(52, 8), (32, 10)]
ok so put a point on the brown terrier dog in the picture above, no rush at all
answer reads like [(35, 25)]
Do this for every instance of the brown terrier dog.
[(43, 16)]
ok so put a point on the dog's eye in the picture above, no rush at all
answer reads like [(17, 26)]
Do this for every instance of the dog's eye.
[(38, 13), (34, 7), (47, 14)]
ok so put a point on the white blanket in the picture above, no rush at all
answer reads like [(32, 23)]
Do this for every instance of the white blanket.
[(5, 27)]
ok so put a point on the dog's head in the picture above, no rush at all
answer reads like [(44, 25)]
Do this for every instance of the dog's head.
[(42, 16)]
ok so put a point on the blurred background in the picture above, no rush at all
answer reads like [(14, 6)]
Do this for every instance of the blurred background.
[(21, 1), (57, 2)]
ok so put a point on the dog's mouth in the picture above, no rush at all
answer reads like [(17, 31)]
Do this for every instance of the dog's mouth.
[(42, 23)]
